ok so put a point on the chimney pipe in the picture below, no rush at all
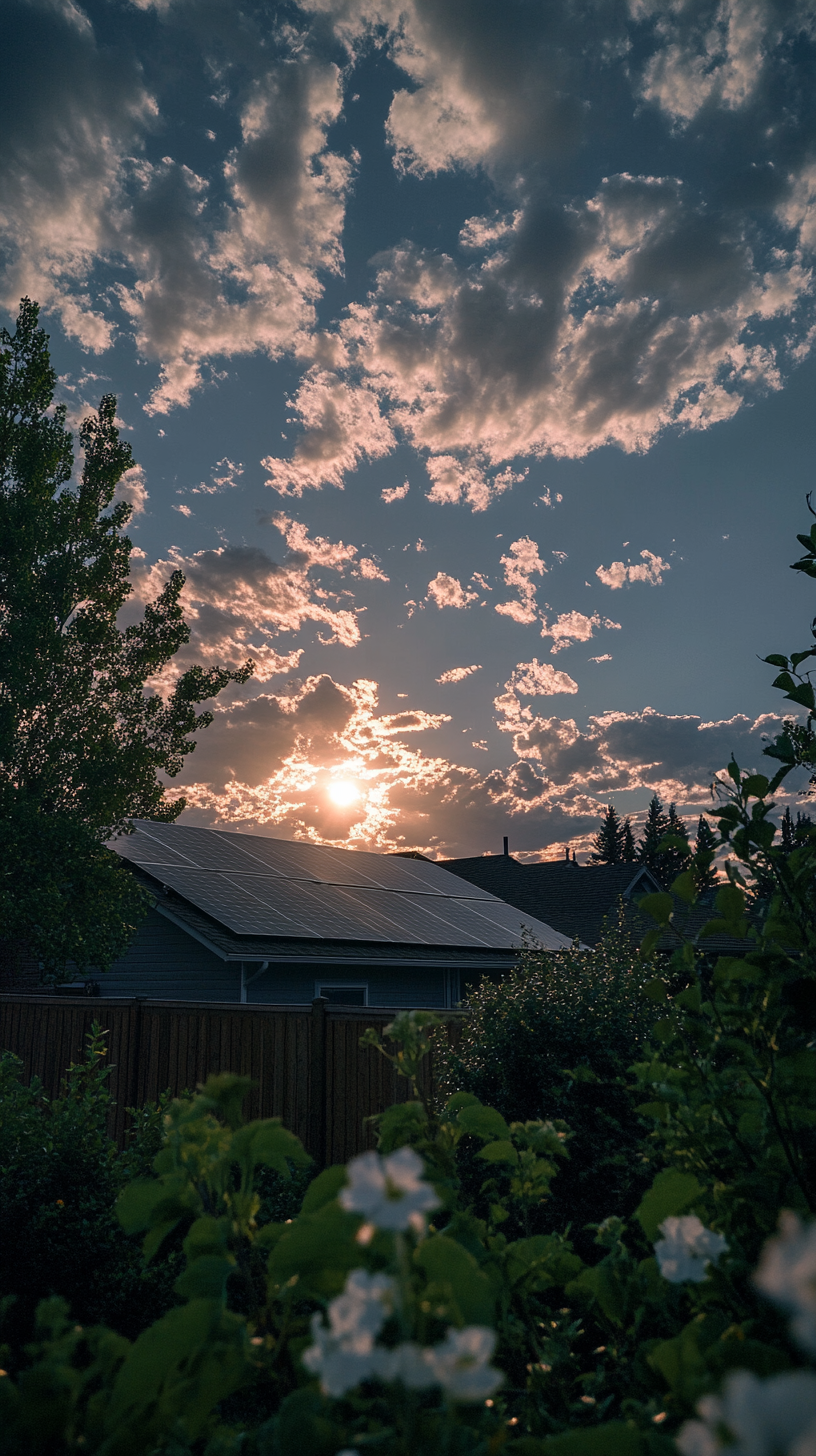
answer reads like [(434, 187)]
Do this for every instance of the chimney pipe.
[(506, 849)]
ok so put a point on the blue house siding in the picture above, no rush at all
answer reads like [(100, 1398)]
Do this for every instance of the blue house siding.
[(385, 985), (166, 963)]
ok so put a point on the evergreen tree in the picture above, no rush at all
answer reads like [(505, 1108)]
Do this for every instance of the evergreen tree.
[(628, 850), (83, 746), (704, 854), (608, 844), (677, 857), (654, 830)]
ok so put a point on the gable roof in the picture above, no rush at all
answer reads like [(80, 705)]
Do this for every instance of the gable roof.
[(572, 898), (264, 892)]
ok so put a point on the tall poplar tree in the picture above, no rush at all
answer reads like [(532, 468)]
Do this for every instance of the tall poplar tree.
[(83, 739)]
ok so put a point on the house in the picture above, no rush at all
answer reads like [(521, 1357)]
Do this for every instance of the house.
[(243, 917), (572, 898)]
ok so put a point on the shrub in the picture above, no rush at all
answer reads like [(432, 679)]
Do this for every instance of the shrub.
[(555, 1040)]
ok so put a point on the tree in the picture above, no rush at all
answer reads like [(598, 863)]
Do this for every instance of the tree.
[(704, 850), (654, 830), (607, 846), (628, 850), (82, 738)]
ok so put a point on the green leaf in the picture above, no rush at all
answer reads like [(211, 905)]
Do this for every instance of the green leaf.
[(206, 1278), (604, 1284), (685, 887), (207, 1236), (269, 1144), (656, 990), (660, 907), (226, 1092), (803, 693), (542, 1262), (649, 942), (499, 1152), (483, 1122), (775, 659), (731, 968), (460, 1100), (399, 1125), (615, 1439), (455, 1279), (730, 902), (670, 1193), (755, 785), (324, 1188), (319, 1250), (137, 1202), (690, 999), (177, 1372)]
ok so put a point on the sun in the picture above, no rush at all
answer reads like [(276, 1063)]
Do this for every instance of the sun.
[(343, 792)]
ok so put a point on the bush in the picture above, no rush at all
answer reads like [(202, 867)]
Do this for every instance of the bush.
[(60, 1176), (555, 1040)]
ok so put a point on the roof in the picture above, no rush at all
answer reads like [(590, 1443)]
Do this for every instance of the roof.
[(572, 898), (257, 896)]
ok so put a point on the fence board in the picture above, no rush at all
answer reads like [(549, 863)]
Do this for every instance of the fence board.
[(306, 1061)]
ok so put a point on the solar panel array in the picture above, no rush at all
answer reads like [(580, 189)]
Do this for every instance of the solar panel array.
[(287, 888)]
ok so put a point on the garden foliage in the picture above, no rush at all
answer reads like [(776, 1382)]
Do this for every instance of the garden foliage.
[(423, 1300)]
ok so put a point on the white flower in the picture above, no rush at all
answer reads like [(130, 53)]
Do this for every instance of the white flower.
[(687, 1248), (345, 1354), (389, 1192), (787, 1275), (775, 1417), (460, 1363)]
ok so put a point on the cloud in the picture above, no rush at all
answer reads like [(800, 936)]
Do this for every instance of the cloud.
[(133, 488), (203, 266), (520, 564), (530, 679), (617, 575), (458, 674), (575, 627), (229, 478), (238, 601), (565, 322), (395, 493), (674, 755), (446, 591)]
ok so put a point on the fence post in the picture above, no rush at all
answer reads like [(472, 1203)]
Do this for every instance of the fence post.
[(318, 1088)]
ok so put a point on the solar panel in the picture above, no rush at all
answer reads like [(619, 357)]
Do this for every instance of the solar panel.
[(255, 885)]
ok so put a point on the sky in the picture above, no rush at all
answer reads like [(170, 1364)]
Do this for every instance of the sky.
[(465, 348)]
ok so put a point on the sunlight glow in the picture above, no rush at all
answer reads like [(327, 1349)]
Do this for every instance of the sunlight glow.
[(343, 792)]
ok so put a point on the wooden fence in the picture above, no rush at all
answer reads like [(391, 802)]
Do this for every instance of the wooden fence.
[(306, 1061)]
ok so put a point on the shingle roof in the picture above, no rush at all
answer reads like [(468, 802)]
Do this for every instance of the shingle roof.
[(572, 898)]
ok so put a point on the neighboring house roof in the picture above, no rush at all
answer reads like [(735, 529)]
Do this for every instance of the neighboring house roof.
[(250, 897), (574, 899)]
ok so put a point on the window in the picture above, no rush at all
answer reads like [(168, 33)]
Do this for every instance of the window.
[(343, 993)]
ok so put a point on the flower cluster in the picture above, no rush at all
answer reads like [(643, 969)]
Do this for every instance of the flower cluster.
[(389, 1192), (346, 1353), (687, 1248), (775, 1417), (787, 1275)]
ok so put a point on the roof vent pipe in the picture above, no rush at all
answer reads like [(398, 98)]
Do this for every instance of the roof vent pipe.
[(506, 849)]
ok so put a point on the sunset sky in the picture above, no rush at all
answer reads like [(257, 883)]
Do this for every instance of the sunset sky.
[(466, 350)]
